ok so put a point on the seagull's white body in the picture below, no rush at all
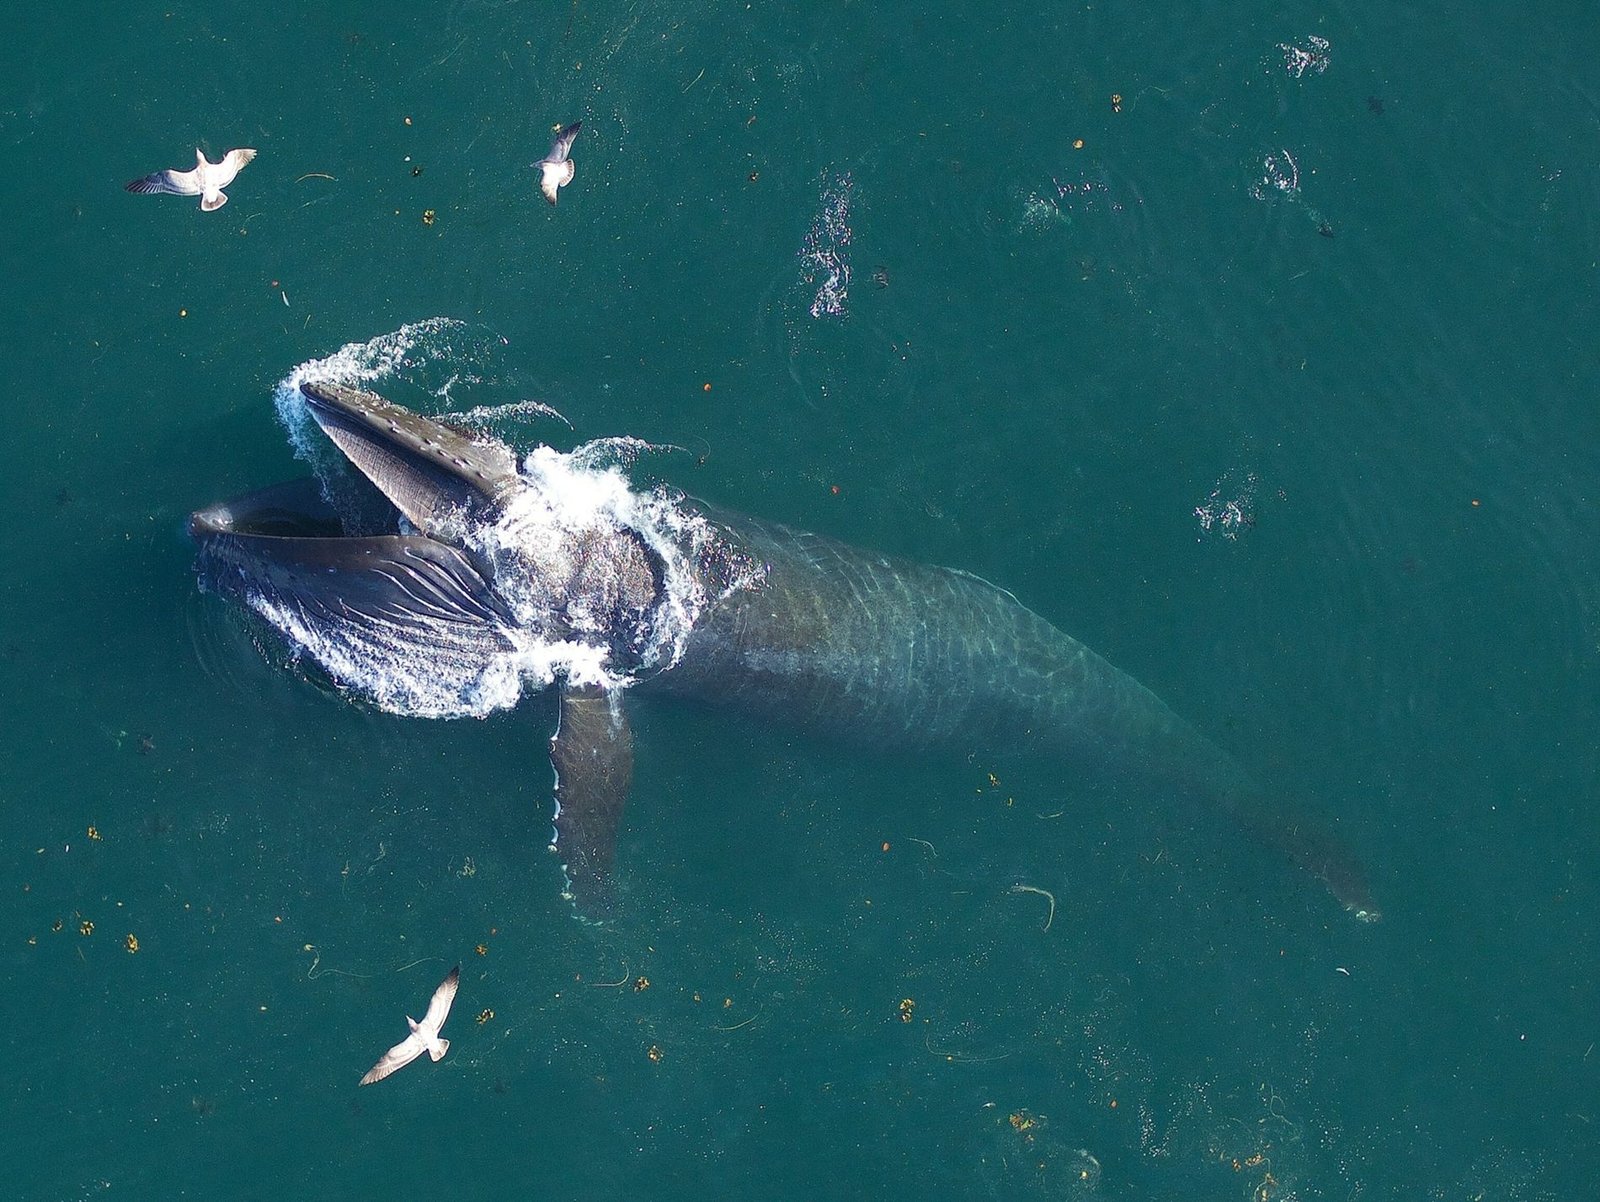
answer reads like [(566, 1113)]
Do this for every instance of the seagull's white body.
[(206, 181), (424, 1036), (556, 169)]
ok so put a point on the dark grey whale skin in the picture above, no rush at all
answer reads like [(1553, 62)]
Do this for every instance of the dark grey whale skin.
[(887, 652)]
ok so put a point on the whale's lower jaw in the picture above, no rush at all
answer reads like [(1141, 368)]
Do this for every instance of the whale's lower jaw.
[(282, 544)]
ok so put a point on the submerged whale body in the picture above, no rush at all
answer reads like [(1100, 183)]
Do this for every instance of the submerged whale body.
[(483, 575)]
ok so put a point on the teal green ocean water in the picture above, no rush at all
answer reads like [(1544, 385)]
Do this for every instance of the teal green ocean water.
[(1255, 349)]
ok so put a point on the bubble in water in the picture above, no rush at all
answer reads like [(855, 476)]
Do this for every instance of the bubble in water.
[(1229, 509), (1072, 194), (1312, 57), (825, 257), (1280, 173), (1280, 177), (1039, 213)]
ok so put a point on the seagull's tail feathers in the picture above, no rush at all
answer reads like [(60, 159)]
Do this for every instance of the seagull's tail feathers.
[(438, 1049), (213, 200)]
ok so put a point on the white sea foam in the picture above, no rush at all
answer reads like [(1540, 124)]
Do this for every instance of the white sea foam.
[(1229, 509), (486, 415), (353, 365), (570, 503)]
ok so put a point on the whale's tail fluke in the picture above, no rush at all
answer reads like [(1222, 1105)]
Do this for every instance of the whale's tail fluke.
[(1306, 841)]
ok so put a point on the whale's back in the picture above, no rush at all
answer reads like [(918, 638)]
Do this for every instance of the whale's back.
[(890, 653), (885, 651)]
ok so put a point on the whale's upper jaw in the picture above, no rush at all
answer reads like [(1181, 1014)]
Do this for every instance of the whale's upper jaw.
[(435, 476)]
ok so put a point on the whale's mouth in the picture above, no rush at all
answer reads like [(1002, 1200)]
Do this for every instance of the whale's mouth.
[(443, 574), (430, 482), (379, 593)]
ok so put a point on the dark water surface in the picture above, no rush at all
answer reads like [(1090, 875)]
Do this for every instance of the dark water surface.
[(1351, 293)]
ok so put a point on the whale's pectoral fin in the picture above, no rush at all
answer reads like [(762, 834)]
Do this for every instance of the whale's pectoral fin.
[(592, 753)]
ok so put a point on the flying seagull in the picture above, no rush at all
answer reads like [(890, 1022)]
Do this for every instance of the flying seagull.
[(424, 1036), (556, 169), (206, 181)]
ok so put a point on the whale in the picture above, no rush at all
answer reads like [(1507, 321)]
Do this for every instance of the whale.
[(463, 575)]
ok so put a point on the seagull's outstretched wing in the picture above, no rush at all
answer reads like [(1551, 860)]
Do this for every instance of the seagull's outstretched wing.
[(562, 146), (232, 163), (175, 183), (396, 1058), (439, 1007)]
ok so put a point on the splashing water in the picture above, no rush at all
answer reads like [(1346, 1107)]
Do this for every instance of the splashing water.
[(1280, 173), (485, 416), (573, 502), (395, 355)]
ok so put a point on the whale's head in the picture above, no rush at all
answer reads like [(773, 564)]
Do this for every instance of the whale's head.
[(454, 585)]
